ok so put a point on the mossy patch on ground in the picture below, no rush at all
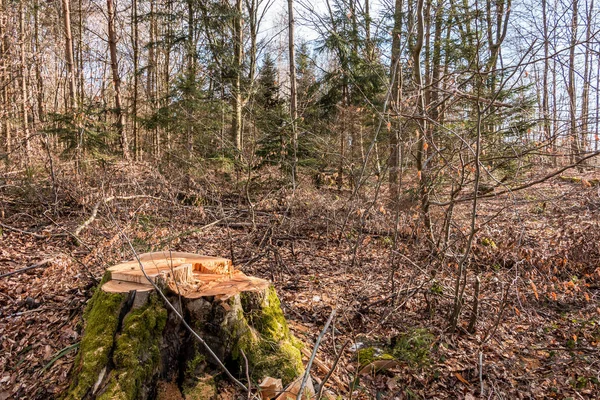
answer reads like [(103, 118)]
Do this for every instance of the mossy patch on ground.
[(204, 388), (411, 348), (102, 319), (367, 355)]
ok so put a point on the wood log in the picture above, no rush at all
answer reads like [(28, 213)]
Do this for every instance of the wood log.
[(133, 347)]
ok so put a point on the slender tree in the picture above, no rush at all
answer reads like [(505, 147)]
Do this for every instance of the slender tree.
[(293, 94), (114, 64)]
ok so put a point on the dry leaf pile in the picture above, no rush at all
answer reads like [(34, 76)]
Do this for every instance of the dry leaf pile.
[(542, 246)]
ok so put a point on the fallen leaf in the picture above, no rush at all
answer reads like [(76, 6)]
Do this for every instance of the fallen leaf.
[(377, 366), (270, 388), (460, 378)]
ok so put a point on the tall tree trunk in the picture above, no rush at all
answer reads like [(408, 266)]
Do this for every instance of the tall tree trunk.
[(69, 54), (38, 62), (5, 80), (597, 133), (587, 76), (545, 91), (167, 76), (368, 39), (80, 69), (191, 74), (396, 82), (421, 174), (114, 64), (293, 95), (236, 124), (134, 105), (571, 89), (151, 78), (23, 83)]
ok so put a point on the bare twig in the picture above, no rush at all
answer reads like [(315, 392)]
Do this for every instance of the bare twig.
[(42, 263), (335, 363), (314, 354), (247, 370), (10, 228)]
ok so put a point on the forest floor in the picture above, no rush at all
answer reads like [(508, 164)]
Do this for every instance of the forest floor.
[(538, 260)]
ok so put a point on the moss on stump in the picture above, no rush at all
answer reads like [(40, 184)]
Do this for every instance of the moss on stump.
[(132, 342)]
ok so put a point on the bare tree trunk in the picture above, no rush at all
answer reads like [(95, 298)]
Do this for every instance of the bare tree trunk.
[(23, 83), (114, 64), (368, 39), (396, 82), (597, 133), (69, 53), (38, 62), (293, 95), (236, 124), (151, 79), (134, 105), (191, 73), (574, 136), (587, 76), (554, 115), (80, 54), (167, 76), (416, 53), (5, 80), (545, 94)]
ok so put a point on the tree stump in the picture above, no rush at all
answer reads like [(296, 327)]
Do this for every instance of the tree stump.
[(135, 347)]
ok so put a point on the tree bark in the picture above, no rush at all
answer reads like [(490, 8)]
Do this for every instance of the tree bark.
[(236, 124), (133, 344), (134, 105), (587, 77), (23, 83), (293, 94), (5, 80), (69, 53), (396, 82), (574, 136), (114, 64)]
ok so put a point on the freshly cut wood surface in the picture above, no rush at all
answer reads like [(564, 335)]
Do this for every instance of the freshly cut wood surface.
[(191, 275), (182, 273), (223, 287), (124, 287), (162, 259)]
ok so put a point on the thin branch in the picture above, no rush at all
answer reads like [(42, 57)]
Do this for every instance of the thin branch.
[(10, 228), (335, 363), (43, 263), (314, 354)]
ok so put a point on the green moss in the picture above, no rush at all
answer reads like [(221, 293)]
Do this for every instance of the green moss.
[(194, 363), (367, 355), (204, 388), (102, 318), (137, 352), (264, 337), (488, 242), (413, 347)]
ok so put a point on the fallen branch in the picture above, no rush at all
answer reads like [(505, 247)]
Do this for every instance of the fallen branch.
[(521, 187), (43, 263), (106, 200), (314, 354), (10, 228), (331, 371), (60, 354)]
